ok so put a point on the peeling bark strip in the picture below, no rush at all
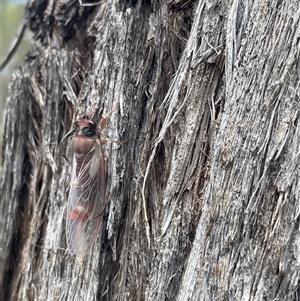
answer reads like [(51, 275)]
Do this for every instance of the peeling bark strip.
[(204, 196)]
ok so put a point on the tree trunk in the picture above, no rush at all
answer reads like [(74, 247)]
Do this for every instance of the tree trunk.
[(203, 196)]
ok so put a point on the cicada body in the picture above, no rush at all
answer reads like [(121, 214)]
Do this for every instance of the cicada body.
[(86, 201)]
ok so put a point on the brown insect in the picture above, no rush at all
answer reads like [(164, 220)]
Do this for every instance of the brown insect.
[(86, 201)]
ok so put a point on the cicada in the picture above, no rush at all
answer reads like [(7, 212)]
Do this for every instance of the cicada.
[(86, 201)]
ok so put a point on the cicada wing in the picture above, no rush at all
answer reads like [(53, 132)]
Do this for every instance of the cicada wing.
[(86, 202)]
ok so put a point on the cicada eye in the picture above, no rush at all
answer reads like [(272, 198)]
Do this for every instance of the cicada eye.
[(88, 132)]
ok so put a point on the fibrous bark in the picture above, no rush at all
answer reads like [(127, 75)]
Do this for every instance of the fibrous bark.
[(203, 190)]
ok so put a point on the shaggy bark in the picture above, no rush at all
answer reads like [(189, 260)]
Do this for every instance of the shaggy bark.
[(203, 196)]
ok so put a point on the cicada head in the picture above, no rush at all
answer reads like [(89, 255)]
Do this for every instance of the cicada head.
[(85, 136)]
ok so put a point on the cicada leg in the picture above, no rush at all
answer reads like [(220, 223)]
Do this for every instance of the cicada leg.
[(104, 119)]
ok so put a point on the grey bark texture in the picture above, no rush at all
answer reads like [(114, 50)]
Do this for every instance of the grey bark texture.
[(203, 196)]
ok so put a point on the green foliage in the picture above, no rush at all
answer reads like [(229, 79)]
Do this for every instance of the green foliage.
[(11, 16)]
